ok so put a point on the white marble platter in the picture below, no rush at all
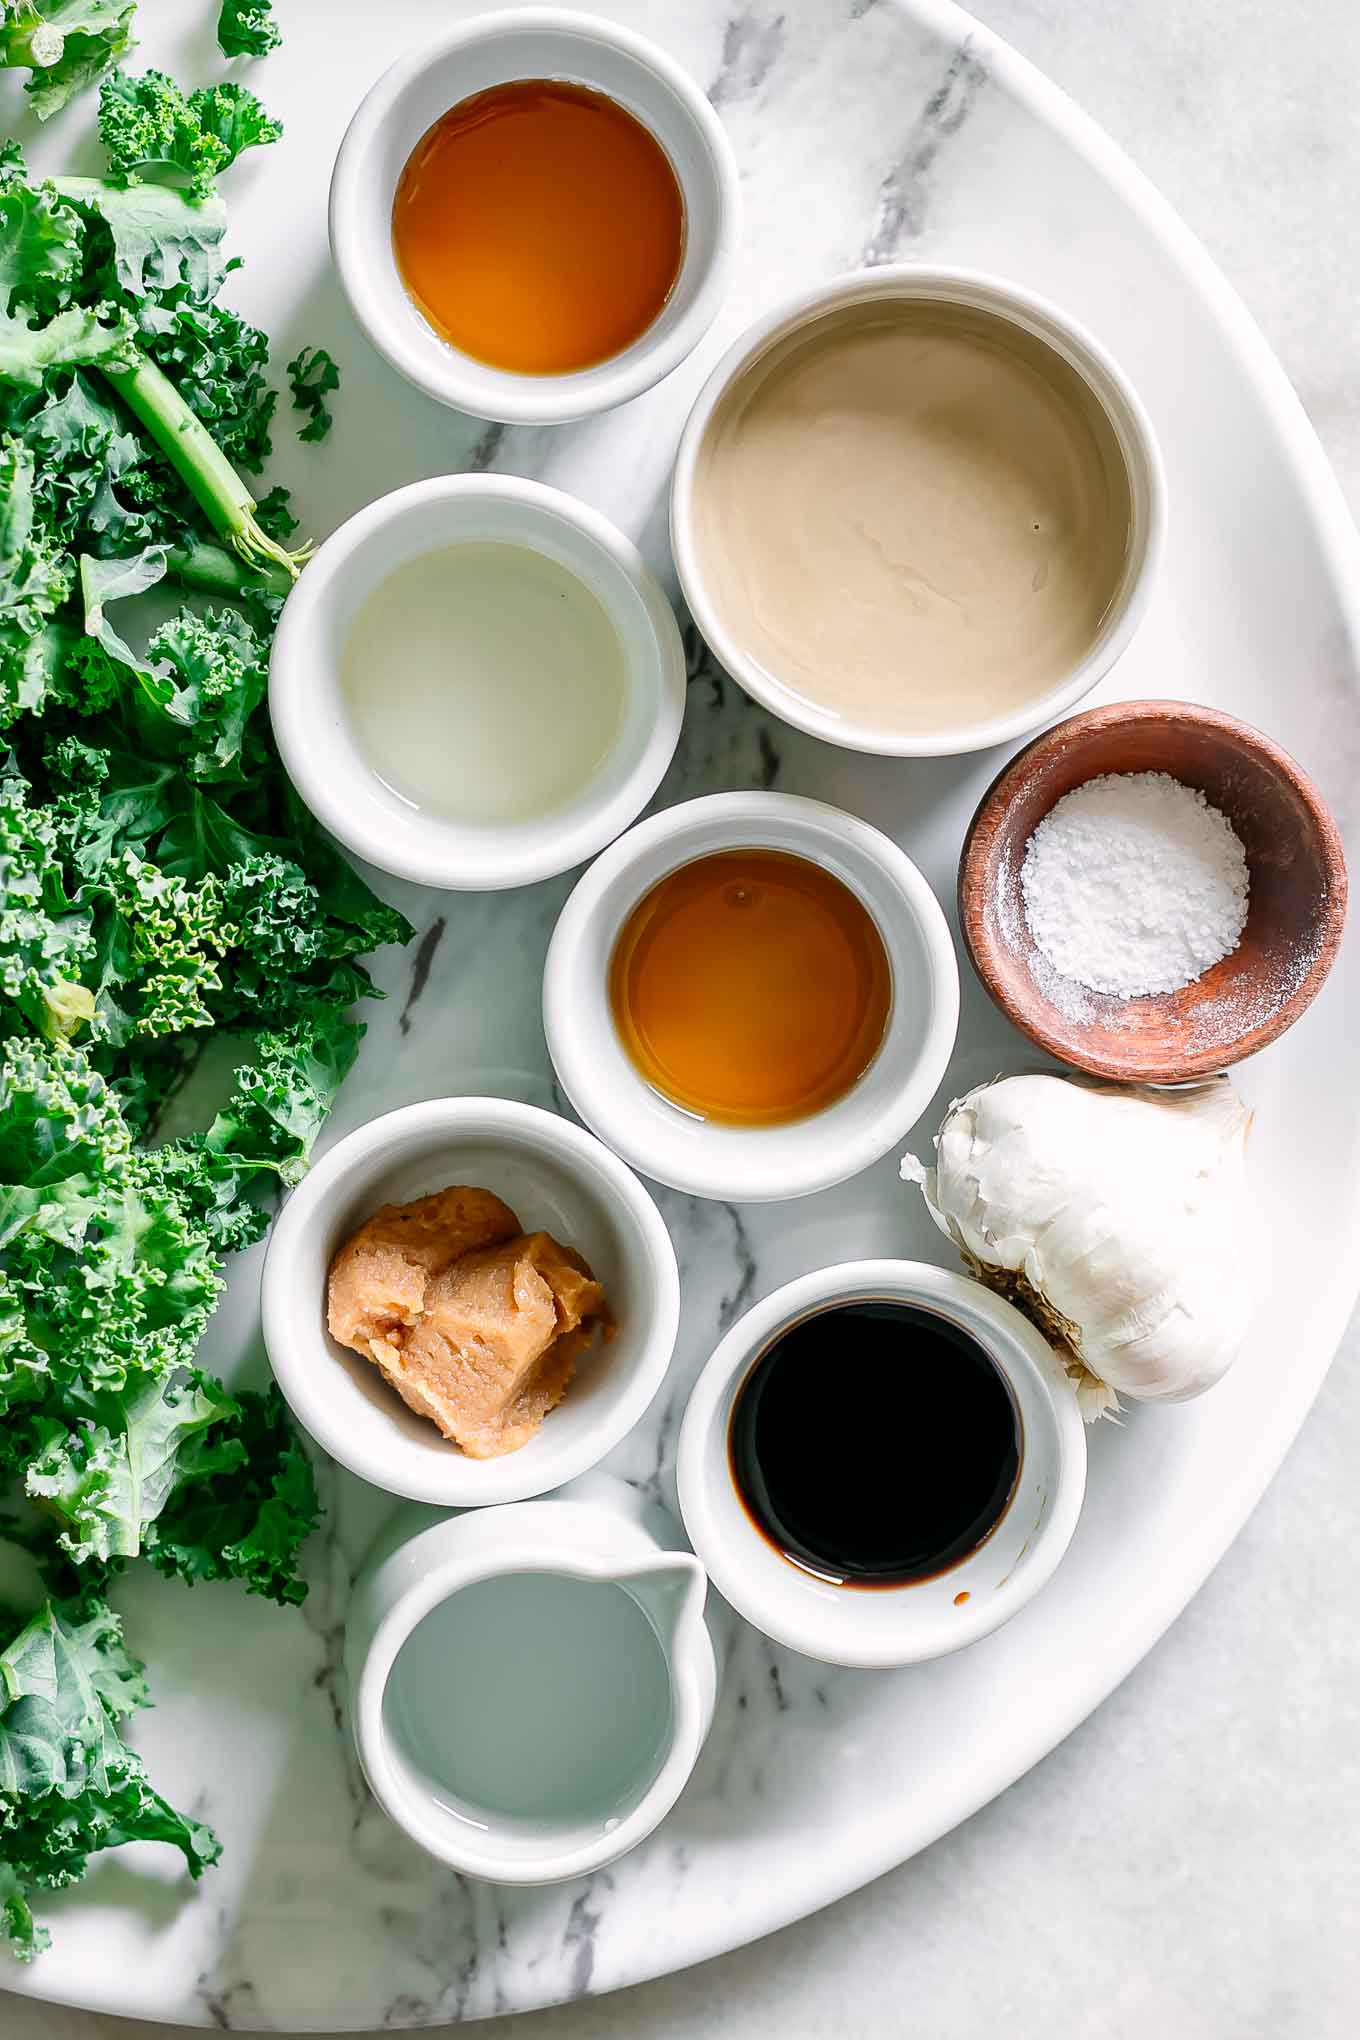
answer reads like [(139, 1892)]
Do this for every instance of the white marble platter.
[(865, 129)]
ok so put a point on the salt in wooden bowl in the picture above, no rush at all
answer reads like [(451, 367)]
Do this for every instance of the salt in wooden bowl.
[(1295, 909)]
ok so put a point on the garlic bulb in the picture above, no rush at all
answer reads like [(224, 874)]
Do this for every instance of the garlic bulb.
[(1113, 1217)]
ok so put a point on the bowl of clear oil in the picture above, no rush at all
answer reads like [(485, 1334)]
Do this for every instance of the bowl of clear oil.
[(477, 683), (531, 1685)]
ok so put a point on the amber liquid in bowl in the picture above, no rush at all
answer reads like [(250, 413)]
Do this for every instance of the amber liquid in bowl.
[(750, 987), (539, 226)]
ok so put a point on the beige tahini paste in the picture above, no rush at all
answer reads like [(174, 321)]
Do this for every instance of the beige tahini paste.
[(913, 515)]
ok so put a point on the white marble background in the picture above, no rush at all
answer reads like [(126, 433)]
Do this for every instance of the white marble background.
[(1187, 1865)]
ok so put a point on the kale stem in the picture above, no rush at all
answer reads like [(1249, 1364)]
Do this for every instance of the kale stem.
[(31, 43), (202, 466), (217, 572)]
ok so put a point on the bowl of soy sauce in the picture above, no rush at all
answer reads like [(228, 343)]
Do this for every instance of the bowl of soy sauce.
[(881, 1463)]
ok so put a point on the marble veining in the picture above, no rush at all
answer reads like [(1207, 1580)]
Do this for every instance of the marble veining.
[(421, 959), (866, 131), (751, 47), (905, 192)]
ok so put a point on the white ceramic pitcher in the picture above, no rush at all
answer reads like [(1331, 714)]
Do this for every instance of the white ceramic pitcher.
[(480, 1644)]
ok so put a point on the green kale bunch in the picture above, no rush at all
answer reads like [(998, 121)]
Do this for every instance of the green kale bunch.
[(160, 883)]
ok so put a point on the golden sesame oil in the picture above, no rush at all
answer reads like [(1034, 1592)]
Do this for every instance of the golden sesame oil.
[(539, 226), (750, 987)]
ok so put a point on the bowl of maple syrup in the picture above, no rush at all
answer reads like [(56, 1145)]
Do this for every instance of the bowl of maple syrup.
[(533, 217), (751, 996)]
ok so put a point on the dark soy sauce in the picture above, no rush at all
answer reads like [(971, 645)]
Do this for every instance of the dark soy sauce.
[(874, 1444)]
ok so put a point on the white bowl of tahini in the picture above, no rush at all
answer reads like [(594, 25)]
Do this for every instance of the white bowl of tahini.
[(917, 511), (477, 682)]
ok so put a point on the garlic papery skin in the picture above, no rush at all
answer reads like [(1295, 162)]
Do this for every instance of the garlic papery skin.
[(1114, 1216)]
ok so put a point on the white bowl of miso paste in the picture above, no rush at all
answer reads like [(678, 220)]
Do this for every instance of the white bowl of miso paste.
[(917, 511)]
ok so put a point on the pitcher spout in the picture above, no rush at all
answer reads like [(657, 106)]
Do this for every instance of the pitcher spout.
[(672, 1594)]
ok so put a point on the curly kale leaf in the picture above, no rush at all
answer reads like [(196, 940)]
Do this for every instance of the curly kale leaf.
[(68, 44), (40, 247), (215, 1191), (312, 377), (368, 922), (103, 581), (161, 955), (152, 131), (217, 362), (147, 904), (284, 1093), (107, 1480), (247, 1521), (106, 1278), (160, 240), (82, 453), (200, 683), (46, 937), (99, 336), (35, 580), (205, 1485), (57, 1121), (94, 275), (109, 1251), (247, 28), (69, 1785), (287, 946), (209, 673), (110, 1255)]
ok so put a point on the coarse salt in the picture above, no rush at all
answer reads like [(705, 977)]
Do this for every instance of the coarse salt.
[(1133, 883)]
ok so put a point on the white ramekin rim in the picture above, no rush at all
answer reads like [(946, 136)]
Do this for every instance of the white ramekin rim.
[(304, 1362), (420, 355), (324, 762), (1117, 397), (886, 1627), (759, 1163)]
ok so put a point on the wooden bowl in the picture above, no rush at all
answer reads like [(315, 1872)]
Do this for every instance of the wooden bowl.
[(1295, 910)]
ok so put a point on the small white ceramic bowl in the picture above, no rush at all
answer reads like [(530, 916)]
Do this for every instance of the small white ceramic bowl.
[(599, 1530), (491, 49), (314, 734), (888, 1626), (557, 1178), (1033, 315), (752, 1163)]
